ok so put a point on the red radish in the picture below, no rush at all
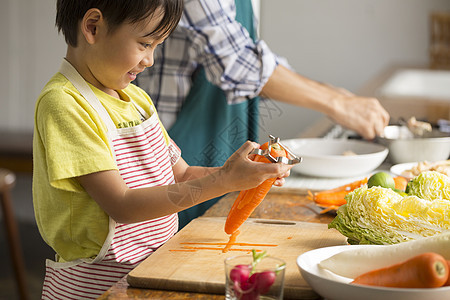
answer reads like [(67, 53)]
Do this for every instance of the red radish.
[(240, 273), (263, 281)]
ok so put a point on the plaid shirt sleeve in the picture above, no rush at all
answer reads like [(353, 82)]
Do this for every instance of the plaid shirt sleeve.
[(224, 48)]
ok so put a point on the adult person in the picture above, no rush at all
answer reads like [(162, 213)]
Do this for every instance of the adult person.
[(214, 68)]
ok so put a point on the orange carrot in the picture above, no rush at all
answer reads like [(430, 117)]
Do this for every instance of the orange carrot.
[(447, 283), (349, 186), (326, 198), (248, 200), (231, 241), (335, 197), (426, 270), (400, 183)]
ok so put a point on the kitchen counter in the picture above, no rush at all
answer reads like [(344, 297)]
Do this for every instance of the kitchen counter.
[(282, 206), (290, 204)]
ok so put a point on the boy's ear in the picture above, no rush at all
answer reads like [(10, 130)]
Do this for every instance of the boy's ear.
[(92, 20)]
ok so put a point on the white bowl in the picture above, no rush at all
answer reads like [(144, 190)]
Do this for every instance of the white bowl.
[(335, 287), (405, 148), (325, 157)]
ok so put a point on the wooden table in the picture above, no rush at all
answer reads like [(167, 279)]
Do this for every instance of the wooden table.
[(281, 206)]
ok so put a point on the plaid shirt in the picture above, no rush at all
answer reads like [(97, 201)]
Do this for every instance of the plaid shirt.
[(208, 35)]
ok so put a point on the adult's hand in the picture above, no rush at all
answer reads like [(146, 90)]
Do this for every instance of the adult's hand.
[(363, 115)]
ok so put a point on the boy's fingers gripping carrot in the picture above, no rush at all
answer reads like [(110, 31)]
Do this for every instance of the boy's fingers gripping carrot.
[(248, 200), (427, 270)]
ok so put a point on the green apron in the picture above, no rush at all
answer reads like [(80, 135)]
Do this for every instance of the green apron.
[(208, 129)]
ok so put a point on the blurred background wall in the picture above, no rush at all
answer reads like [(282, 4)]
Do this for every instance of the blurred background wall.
[(344, 43)]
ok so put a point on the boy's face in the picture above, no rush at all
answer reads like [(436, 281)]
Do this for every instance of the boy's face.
[(116, 58)]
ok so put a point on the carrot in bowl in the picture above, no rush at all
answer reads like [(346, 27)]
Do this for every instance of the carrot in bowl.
[(426, 270), (447, 283)]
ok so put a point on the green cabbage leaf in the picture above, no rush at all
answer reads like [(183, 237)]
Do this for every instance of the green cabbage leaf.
[(379, 215)]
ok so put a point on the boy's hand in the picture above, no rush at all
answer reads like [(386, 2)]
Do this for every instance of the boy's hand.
[(241, 173), (280, 180)]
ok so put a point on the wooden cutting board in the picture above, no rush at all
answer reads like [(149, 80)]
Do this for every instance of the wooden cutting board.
[(173, 267)]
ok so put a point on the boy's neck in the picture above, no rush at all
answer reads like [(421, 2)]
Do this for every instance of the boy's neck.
[(75, 58)]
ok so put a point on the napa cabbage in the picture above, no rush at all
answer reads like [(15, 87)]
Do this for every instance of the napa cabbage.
[(379, 215)]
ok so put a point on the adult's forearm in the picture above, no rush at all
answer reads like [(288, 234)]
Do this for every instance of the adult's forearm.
[(289, 87), (365, 115)]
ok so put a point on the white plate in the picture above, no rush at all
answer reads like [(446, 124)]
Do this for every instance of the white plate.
[(334, 287), (398, 169), (324, 157)]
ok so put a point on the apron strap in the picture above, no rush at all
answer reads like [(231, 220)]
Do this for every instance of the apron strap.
[(80, 84)]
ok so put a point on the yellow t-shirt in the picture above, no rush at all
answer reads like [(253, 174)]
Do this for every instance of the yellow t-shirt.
[(69, 141)]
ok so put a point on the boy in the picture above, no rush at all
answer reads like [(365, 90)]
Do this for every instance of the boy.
[(108, 181)]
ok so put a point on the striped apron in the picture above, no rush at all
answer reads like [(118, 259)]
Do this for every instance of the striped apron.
[(144, 160)]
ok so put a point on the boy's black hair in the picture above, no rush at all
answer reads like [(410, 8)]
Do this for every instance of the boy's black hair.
[(116, 12)]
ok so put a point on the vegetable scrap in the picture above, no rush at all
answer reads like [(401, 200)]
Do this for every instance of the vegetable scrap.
[(231, 241), (186, 246), (234, 244), (211, 248)]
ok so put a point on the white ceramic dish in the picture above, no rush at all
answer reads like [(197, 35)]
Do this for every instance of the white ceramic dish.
[(334, 287), (404, 148), (398, 169), (324, 157)]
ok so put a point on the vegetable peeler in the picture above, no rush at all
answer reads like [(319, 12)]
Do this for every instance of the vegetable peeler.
[(291, 160)]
